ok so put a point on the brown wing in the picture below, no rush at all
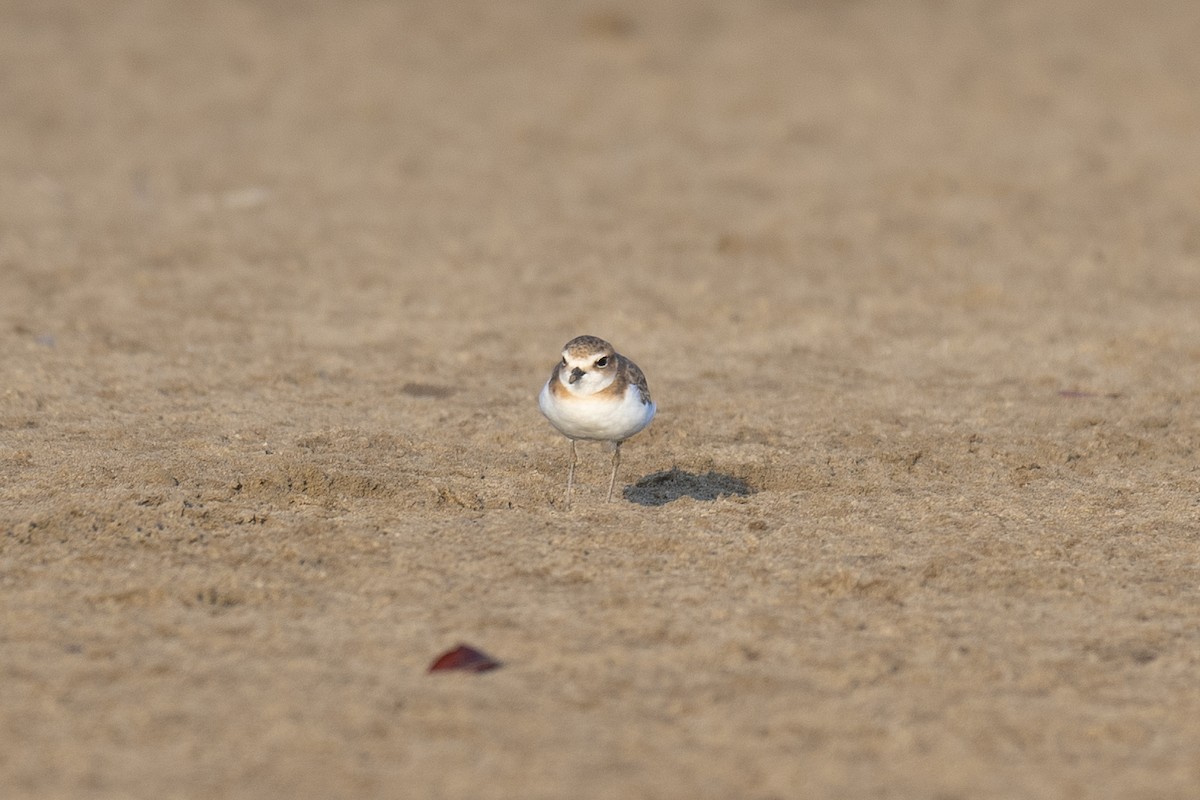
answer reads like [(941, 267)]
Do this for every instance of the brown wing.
[(631, 373)]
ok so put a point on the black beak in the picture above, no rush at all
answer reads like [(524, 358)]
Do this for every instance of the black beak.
[(576, 374)]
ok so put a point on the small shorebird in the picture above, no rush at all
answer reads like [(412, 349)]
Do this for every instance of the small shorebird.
[(596, 394)]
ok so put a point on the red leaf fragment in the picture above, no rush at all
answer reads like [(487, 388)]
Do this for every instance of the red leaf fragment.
[(464, 658)]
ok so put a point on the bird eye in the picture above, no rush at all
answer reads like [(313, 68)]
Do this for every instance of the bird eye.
[(602, 362), (564, 361)]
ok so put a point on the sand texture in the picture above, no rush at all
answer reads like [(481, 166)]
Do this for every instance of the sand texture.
[(917, 290)]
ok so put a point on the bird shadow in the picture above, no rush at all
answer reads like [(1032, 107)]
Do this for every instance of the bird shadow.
[(660, 488)]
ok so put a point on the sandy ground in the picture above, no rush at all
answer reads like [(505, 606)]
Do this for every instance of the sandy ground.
[(917, 289)]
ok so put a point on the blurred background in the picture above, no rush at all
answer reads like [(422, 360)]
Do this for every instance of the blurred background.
[(279, 284)]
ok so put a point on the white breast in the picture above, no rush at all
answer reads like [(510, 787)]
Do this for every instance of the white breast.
[(604, 419)]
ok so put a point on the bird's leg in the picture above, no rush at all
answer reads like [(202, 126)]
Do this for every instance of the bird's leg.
[(612, 481), (571, 475)]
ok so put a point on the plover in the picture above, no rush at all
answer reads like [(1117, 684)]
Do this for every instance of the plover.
[(596, 394)]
